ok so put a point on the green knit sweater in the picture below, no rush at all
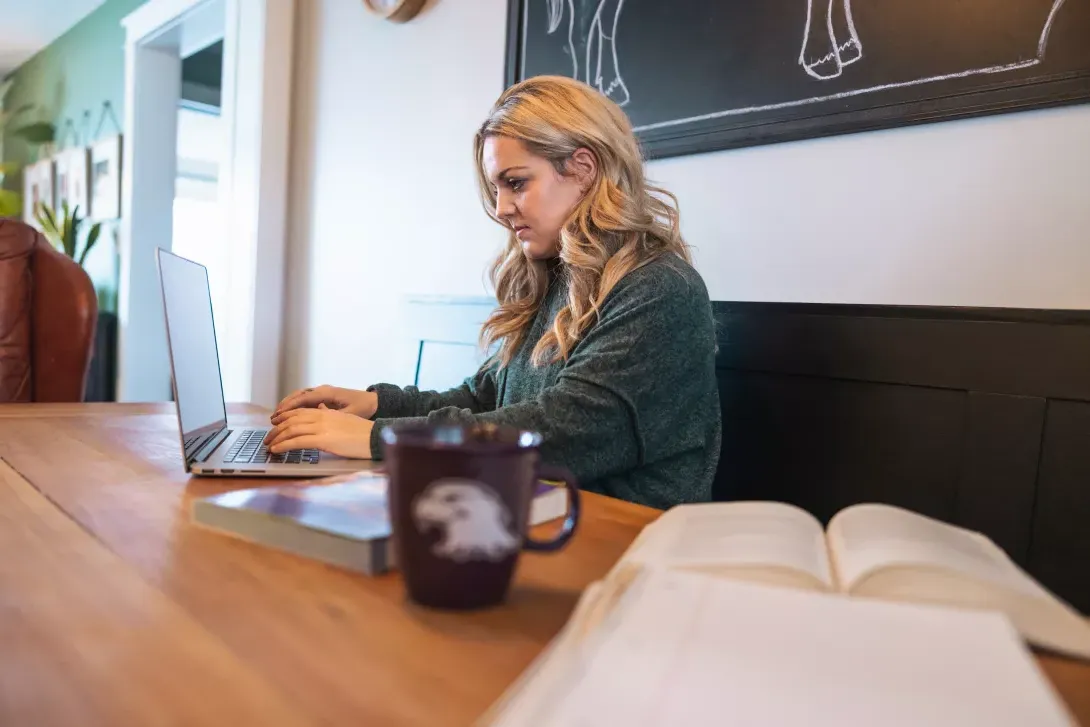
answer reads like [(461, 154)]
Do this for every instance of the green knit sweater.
[(633, 412)]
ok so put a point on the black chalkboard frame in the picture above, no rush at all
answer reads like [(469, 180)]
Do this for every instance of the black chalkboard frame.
[(1058, 90)]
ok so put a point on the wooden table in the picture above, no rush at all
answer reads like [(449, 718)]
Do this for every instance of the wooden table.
[(115, 611)]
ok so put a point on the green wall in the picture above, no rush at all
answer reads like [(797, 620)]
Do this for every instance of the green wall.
[(77, 73)]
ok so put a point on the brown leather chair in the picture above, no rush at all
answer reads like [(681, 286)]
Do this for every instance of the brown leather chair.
[(48, 313)]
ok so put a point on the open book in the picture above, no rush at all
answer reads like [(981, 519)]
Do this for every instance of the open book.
[(678, 648), (874, 551)]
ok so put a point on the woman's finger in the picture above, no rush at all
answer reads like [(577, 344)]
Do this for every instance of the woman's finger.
[(294, 401), (288, 416), (290, 430), (303, 415), (304, 441), (281, 431), (302, 398), (287, 400)]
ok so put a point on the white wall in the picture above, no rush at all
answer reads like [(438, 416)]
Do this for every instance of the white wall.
[(200, 144), (991, 212), (383, 196), (199, 222)]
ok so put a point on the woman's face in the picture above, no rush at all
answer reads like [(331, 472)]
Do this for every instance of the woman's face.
[(532, 198)]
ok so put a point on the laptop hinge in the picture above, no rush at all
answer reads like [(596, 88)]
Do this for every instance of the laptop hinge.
[(204, 450)]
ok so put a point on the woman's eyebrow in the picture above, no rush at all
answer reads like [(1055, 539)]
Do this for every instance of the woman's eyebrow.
[(502, 175)]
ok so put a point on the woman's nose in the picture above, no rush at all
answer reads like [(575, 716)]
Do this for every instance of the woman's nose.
[(505, 206)]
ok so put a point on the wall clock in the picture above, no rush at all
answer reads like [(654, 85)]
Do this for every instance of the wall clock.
[(399, 11)]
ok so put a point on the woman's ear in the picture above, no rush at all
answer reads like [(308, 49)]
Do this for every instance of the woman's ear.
[(584, 166)]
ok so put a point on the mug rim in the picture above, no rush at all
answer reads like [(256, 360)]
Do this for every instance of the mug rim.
[(423, 436)]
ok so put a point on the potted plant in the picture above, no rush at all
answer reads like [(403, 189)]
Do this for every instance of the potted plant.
[(38, 133), (11, 202), (64, 229)]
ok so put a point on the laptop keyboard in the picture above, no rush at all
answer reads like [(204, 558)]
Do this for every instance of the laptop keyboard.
[(248, 449)]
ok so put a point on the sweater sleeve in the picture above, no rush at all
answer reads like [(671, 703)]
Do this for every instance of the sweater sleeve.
[(617, 384), (475, 395)]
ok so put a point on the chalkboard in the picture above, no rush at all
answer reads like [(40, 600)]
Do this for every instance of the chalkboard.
[(696, 75)]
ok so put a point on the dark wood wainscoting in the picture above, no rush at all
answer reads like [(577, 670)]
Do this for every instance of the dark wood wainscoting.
[(979, 417)]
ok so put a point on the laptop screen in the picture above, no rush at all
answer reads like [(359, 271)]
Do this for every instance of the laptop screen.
[(191, 333)]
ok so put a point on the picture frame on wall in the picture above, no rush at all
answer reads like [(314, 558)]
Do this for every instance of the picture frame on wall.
[(105, 179), (701, 75), (38, 188), (73, 178)]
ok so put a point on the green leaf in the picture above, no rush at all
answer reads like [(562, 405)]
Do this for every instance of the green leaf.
[(40, 132), (6, 117), (68, 230), (92, 238), (11, 203), (43, 213)]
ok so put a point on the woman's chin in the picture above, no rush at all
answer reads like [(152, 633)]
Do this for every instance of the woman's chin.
[(537, 251)]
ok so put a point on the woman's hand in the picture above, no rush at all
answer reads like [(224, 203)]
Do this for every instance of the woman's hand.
[(329, 430), (351, 401)]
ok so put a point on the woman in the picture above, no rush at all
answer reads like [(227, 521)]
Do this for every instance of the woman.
[(604, 332)]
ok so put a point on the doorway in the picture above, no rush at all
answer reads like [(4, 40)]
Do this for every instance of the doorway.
[(197, 231), (207, 97)]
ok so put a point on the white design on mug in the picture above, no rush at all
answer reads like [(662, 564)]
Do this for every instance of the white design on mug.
[(476, 524)]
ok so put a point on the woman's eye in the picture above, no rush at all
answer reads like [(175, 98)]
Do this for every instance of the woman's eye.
[(516, 184)]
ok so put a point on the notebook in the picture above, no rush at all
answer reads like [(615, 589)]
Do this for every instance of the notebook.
[(343, 520), (683, 648), (868, 551)]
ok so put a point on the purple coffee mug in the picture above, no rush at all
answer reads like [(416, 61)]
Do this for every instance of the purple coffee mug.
[(460, 501)]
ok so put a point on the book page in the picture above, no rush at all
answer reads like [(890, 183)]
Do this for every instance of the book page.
[(886, 552), (865, 538), (760, 540), (687, 649)]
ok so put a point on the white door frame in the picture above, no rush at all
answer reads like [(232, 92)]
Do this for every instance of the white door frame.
[(256, 103)]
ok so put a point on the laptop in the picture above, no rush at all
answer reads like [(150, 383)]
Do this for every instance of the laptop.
[(210, 446)]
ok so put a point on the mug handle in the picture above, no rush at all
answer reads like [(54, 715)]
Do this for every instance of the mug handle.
[(549, 472)]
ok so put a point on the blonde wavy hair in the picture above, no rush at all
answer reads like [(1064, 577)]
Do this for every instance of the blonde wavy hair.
[(621, 223)]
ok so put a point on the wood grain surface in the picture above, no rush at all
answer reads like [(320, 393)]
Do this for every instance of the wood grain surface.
[(334, 646), (122, 612), (87, 641)]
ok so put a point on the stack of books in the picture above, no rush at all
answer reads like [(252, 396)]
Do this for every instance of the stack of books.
[(751, 613), (343, 520)]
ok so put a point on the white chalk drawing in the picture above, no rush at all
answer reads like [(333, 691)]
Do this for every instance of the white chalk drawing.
[(475, 523), (829, 40), (556, 17), (1042, 44), (601, 68), (605, 74)]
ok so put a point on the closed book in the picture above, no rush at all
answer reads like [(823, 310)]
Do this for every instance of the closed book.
[(342, 522)]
